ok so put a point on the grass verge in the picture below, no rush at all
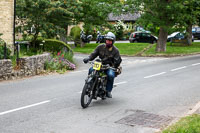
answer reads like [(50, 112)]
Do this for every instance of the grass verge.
[(189, 124), (124, 48), (132, 49), (175, 49)]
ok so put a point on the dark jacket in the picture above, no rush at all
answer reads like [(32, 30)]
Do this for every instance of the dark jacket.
[(112, 57)]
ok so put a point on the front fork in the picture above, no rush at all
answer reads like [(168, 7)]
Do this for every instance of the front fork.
[(98, 84)]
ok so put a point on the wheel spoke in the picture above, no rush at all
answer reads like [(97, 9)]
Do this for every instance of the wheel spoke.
[(86, 96)]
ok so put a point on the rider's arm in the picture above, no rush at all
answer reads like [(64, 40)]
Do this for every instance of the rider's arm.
[(94, 54), (117, 59)]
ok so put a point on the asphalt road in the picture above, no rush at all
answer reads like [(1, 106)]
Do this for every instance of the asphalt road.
[(148, 92)]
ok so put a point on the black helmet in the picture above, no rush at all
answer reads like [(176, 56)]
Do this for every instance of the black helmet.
[(110, 36)]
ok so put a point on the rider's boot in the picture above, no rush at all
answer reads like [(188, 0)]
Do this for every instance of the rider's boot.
[(108, 94)]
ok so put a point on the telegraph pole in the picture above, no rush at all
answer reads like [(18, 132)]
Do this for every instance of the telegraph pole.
[(14, 22)]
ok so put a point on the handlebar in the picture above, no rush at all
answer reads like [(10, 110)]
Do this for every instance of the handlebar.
[(104, 67)]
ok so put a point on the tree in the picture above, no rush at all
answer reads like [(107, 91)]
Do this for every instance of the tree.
[(43, 16), (95, 12), (34, 13), (160, 14), (190, 16), (64, 13)]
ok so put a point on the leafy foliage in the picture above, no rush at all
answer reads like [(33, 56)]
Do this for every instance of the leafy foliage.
[(53, 45), (95, 13), (8, 52), (2, 49), (162, 16), (119, 28), (75, 32), (60, 62), (42, 16)]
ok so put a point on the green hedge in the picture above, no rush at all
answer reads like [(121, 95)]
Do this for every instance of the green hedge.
[(75, 32), (53, 45)]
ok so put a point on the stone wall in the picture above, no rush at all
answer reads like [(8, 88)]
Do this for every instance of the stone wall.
[(28, 66), (6, 21), (5, 69)]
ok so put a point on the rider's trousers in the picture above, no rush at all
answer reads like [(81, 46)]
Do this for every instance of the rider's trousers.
[(111, 75)]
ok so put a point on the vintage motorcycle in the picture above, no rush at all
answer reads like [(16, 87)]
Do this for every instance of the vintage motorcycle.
[(95, 83), (85, 38)]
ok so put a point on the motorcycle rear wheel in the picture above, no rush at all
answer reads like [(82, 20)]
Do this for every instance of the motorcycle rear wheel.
[(86, 96)]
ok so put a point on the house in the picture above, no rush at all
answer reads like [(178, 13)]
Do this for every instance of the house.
[(7, 21), (128, 19)]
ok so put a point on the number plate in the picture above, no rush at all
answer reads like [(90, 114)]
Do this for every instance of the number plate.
[(97, 65)]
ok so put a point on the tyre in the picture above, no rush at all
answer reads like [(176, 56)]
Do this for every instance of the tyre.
[(86, 96), (135, 41)]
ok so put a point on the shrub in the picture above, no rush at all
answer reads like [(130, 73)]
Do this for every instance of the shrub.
[(75, 34), (53, 45), (60, 62), (119, 28), (8, 52)]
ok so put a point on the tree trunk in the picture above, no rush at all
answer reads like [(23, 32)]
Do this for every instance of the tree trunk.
[(162, 39), (189, 34), (82, 44)]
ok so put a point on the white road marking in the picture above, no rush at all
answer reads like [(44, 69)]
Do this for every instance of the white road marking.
[(154, 75), (76, 71), (124, 58), (124, 82), (196, 107), (178, 68), (79, 71), (195, 64), (21, 108)]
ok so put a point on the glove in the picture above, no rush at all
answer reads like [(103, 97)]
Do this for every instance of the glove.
[(119, 70), (85, 60)]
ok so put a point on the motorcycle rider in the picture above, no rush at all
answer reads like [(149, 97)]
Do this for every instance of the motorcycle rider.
[(109, 54), (99, 37)]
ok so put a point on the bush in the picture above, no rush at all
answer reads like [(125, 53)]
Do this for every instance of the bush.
[(60, 62), (53, 45), (75, 34), (119, 28), (8, 52)]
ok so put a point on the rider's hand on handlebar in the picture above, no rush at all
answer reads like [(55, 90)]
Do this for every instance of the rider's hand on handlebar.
[(85, 60)]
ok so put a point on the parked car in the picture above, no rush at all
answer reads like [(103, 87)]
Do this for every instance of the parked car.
[(144, 37), (196, 32), (177, 36)]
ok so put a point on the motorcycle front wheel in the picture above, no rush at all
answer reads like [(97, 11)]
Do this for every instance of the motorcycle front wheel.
[(86, 96)]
